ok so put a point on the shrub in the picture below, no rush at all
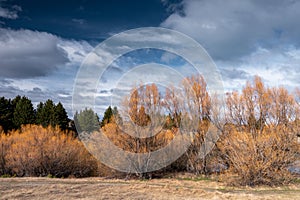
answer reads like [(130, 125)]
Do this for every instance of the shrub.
[(263, 159), (38, 151), (5, 143)]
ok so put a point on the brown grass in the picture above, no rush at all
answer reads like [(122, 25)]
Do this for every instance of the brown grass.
[(100, 188)]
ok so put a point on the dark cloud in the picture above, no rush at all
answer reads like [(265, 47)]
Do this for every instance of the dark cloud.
[(27, 54), (236, 28), (37, 95), (234, 73)]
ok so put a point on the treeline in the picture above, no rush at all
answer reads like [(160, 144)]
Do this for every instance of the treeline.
[(41, 141), (20, 111), (258, 130)]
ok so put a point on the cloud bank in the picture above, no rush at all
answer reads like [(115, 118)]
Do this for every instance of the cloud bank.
[(245, 38), (235, 28), (29, 54)]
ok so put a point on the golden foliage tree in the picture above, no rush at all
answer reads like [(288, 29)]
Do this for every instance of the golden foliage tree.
[(260, 136), (38, 151)]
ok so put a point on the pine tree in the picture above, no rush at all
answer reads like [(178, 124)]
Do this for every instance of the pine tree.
[(108, 114), (86, 121), (49, 113), (61, 117), (40, 114), (45, 113), (6, 114), (15, 101), (23, 113)]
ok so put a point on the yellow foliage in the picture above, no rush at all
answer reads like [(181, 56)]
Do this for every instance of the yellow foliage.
[(263, 159), (38, 151)]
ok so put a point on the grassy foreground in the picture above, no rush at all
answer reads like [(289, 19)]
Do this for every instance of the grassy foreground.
[(100, 188)]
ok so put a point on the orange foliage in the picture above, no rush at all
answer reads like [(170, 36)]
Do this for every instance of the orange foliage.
[(263, 159), (38, 151), (259, 140)]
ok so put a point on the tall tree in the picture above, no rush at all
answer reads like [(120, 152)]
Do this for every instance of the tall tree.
[(86, 121), (61, 117), (49, 114), (40, 114), (15, 101), (24, 112), (6, 114), (108, 114)]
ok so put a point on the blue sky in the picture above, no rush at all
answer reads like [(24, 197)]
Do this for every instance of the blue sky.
[(43, 43)]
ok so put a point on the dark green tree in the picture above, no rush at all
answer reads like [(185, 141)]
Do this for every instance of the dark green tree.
[(45, 113), (61, 116), (24, 112), (40, 114), (86, 121), (108, 114), (6, 114), (15, 101), (49, 114)]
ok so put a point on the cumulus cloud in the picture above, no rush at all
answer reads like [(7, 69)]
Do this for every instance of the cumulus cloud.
[(74, 50), (39, 65), (37, 92), (27, 54), (236, 28), (245, 38), (277, 67)]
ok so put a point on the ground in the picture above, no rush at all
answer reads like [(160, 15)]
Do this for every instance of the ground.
[(101, 188)]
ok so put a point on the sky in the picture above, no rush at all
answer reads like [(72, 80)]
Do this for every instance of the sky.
[(43, 43)]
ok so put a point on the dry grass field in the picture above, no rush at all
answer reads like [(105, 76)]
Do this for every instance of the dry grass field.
[(100, 188)]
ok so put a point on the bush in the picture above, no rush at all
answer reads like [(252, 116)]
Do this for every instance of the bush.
[(5, 143), (263, 159), (38, 151)]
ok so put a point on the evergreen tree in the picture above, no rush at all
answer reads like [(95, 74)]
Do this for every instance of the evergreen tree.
[(40, 114), (50, 114), (23, 113), (61, 117), (108, 114), (15, 101), (86, 121), (116, 115), (6, 114)]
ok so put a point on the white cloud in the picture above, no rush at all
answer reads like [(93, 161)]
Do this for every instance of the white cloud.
[(39, 65), (27, 54), (277, 67), (76, 50), (235, 28), (245, 38), (9, 13), (168, 57)]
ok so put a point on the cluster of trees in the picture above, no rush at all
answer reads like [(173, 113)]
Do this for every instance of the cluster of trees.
[(20, 111), (258, 130)]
